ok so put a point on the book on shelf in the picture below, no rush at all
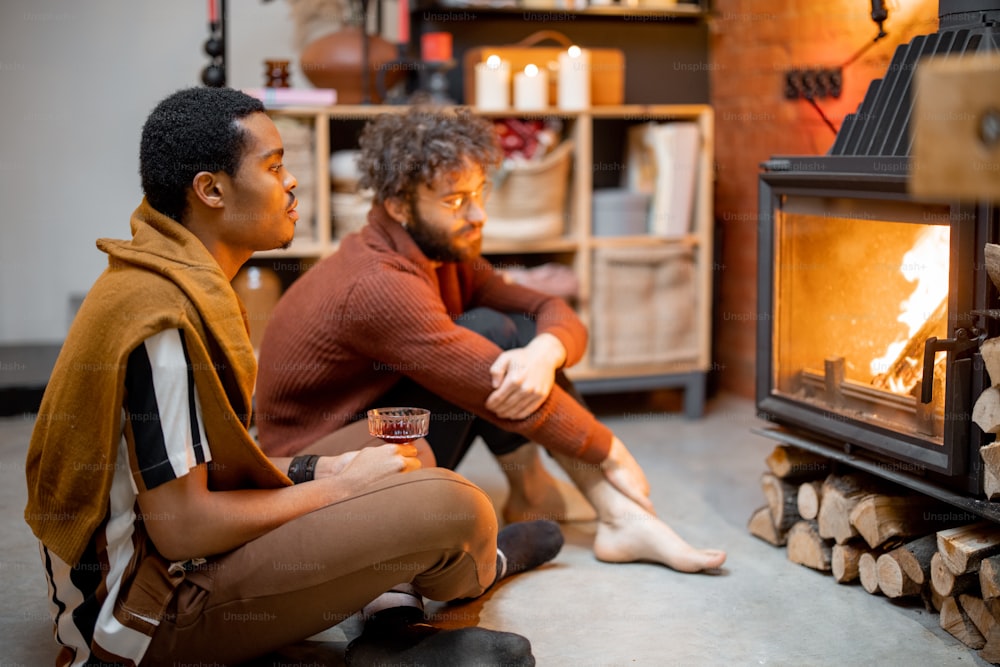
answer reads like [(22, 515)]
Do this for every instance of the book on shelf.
[(294, 97), (663, 162)]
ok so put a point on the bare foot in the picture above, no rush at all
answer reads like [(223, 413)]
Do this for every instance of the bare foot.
[(551, 499), (637, 535)]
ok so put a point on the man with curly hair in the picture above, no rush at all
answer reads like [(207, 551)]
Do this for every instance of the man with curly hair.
[(408, 312), (166, 534)]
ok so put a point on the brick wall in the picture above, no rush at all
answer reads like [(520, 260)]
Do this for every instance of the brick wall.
[(752, 44)]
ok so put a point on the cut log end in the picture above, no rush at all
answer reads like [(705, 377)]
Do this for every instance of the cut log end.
[(964, 547), (762, 527), (991, 650), (978, 612), (868, 572), (844, 561), (957, 623), (792, 463), (990, 454), (809, 498), (989, 578), (893, 581), (946, 583), (780, 496), (806, 547)]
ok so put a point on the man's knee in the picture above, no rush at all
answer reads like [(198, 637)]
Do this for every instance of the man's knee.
[(448, 503), (507, 331)]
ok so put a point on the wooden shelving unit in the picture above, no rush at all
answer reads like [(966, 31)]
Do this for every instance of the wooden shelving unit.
[(679, 10), (578, 241)]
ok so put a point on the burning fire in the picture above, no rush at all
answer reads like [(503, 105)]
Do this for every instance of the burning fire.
[(926, 263)]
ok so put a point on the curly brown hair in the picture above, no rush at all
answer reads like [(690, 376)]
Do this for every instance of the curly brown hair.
[(400, 151)]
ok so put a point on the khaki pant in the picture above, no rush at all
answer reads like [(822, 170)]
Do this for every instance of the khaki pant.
[(431, 528)]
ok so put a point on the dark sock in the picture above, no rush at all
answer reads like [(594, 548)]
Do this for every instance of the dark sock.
[(392, 637), (526, 545)]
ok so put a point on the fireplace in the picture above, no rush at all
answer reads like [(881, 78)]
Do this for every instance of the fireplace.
[(872, 305)]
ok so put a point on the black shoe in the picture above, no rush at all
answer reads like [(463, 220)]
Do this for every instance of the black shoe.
[(395, 641), (527, 544)]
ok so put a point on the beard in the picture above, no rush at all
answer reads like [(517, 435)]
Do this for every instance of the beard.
[(436, 244)]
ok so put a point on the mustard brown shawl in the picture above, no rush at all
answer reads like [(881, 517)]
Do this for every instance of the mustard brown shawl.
[(164, 278)]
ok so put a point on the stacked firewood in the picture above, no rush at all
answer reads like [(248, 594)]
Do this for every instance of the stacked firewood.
[(986, 412), (986, 415), (893, 541)]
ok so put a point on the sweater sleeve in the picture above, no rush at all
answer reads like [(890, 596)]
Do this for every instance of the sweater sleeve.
[(408, 329)]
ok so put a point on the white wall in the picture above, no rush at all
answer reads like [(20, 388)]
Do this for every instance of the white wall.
[(77, 79)]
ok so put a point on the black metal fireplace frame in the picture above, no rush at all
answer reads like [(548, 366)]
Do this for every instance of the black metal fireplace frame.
[(870, 160), (895, 455)]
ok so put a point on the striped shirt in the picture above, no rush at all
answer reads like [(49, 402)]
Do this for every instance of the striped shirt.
[(162, 439)]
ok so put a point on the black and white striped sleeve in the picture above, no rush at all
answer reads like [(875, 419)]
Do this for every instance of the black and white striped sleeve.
[(164, 414)]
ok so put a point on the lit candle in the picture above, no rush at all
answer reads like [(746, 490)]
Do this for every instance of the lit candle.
[(493, 84), (435, 47), (531, 89), (574, 79)]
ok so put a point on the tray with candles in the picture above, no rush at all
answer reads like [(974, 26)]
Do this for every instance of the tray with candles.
[(603, 70)]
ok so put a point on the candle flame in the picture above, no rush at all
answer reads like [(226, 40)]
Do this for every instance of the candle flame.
[(574, 51), (493, 62), (531, 70)]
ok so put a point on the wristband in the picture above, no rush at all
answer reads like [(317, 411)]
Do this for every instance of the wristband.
[(303, 468), (311, 467)]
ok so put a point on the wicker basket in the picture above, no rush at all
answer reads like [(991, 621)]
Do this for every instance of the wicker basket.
[(647, 303), (529, 201)]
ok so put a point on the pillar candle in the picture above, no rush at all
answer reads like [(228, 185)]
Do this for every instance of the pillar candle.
[(574, 79), (435, 47), (493, 84), (531, 89)]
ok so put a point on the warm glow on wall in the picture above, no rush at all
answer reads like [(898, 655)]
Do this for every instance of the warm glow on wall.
[(753, 45)]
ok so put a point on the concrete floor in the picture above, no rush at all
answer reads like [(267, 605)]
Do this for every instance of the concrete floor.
[(762, 610)]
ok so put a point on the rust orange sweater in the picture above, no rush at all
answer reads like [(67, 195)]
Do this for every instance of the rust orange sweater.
[(377, 310)]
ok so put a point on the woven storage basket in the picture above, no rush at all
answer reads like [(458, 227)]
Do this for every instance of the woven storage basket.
[(645, 304), (529, 201)]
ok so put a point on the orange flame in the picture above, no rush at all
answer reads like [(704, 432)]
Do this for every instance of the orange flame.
[(926, 263)]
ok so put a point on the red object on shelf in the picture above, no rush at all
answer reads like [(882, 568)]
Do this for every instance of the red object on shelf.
[(435, 47), (403, 8), (519, 138)]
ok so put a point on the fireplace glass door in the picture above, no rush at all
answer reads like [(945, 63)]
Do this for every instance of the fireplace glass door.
[(859, 287)]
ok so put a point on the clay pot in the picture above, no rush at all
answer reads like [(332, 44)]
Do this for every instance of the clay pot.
[(334, 61), (259, 288)]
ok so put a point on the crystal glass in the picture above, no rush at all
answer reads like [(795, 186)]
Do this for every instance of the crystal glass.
[(398, 425)]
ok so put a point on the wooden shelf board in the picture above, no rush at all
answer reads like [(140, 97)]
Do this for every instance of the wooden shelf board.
[(634, 370), (366, 111), (657, 111), (689, 240), (679, 11), (500, 247)]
